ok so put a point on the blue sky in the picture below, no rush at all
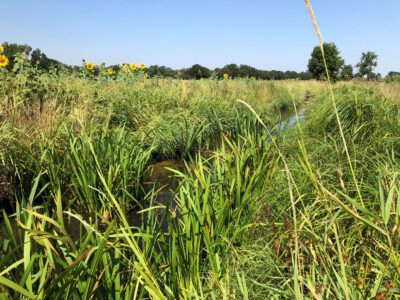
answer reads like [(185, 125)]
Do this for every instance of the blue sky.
[(179, 33)]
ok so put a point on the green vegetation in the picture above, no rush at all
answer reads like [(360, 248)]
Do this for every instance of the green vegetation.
[(259, 211), (369, 61), (334, 62), (346, 73), (330, 61), (41, 62)]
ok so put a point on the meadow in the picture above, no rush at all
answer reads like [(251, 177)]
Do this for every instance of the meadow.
[(256, 211)]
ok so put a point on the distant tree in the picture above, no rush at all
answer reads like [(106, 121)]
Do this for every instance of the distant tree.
[(219, 72), (196, 72), (161, 71), (10, 50), (232, 70), (42, 62), (291, 75), (305, 76), (274, 75), (369, 61), (39, 60), (333, 61), (36, 57), (346, 73), (393, 74), (247, 71)]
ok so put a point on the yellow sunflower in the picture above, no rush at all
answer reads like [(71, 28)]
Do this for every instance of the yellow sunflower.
[(1, 48), (3, 61), (110, 71), (133, 66), (89, 66), (124, 67), (226, 75), (142, 66)]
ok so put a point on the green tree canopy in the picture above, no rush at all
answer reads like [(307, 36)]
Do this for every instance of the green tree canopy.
[(161, 71), (196, 72), (36, 57), (232, 70), (42, 62), (333, 61), (247, 71), (10, 50), (346, 73), (393, 73), (367, 64)]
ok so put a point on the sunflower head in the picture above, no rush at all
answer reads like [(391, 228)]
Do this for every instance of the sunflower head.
[(89, 66), (110, 71), (124, 67), (133, 66), (142, 66), (1, 48), (3, 61), (226, 75)]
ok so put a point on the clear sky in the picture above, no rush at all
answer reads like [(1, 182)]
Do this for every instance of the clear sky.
[(179, 33)]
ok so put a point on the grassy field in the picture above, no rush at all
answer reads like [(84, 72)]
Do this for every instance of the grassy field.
[(308, 212)]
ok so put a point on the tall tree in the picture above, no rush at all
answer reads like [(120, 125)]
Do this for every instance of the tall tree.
[(334, 62), (346, 73), (196, 72), (368, 62), (161, 71), (42, 62), (247, 71), (232, 70)]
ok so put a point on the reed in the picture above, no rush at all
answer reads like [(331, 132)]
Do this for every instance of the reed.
[(254, 215)]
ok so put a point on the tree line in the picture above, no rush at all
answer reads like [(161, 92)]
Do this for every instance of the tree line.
[(38, 59), (240, 71), (337, 68)]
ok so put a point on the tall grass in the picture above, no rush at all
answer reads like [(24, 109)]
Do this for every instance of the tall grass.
[(81, 224)]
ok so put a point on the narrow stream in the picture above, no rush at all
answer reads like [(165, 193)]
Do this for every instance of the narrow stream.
[(163, 180), (290, 122)]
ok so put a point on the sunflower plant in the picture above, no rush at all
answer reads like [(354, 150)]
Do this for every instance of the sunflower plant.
[(110, 71), (3, 60), (133, 66), (89, 66)]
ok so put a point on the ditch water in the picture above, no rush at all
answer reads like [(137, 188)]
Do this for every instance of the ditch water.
[(165, 180), (290, 122), (160, 178)]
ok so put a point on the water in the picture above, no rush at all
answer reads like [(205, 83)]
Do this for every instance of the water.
[(285, 124), (163, 180), (158, 177), (291, 121)]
